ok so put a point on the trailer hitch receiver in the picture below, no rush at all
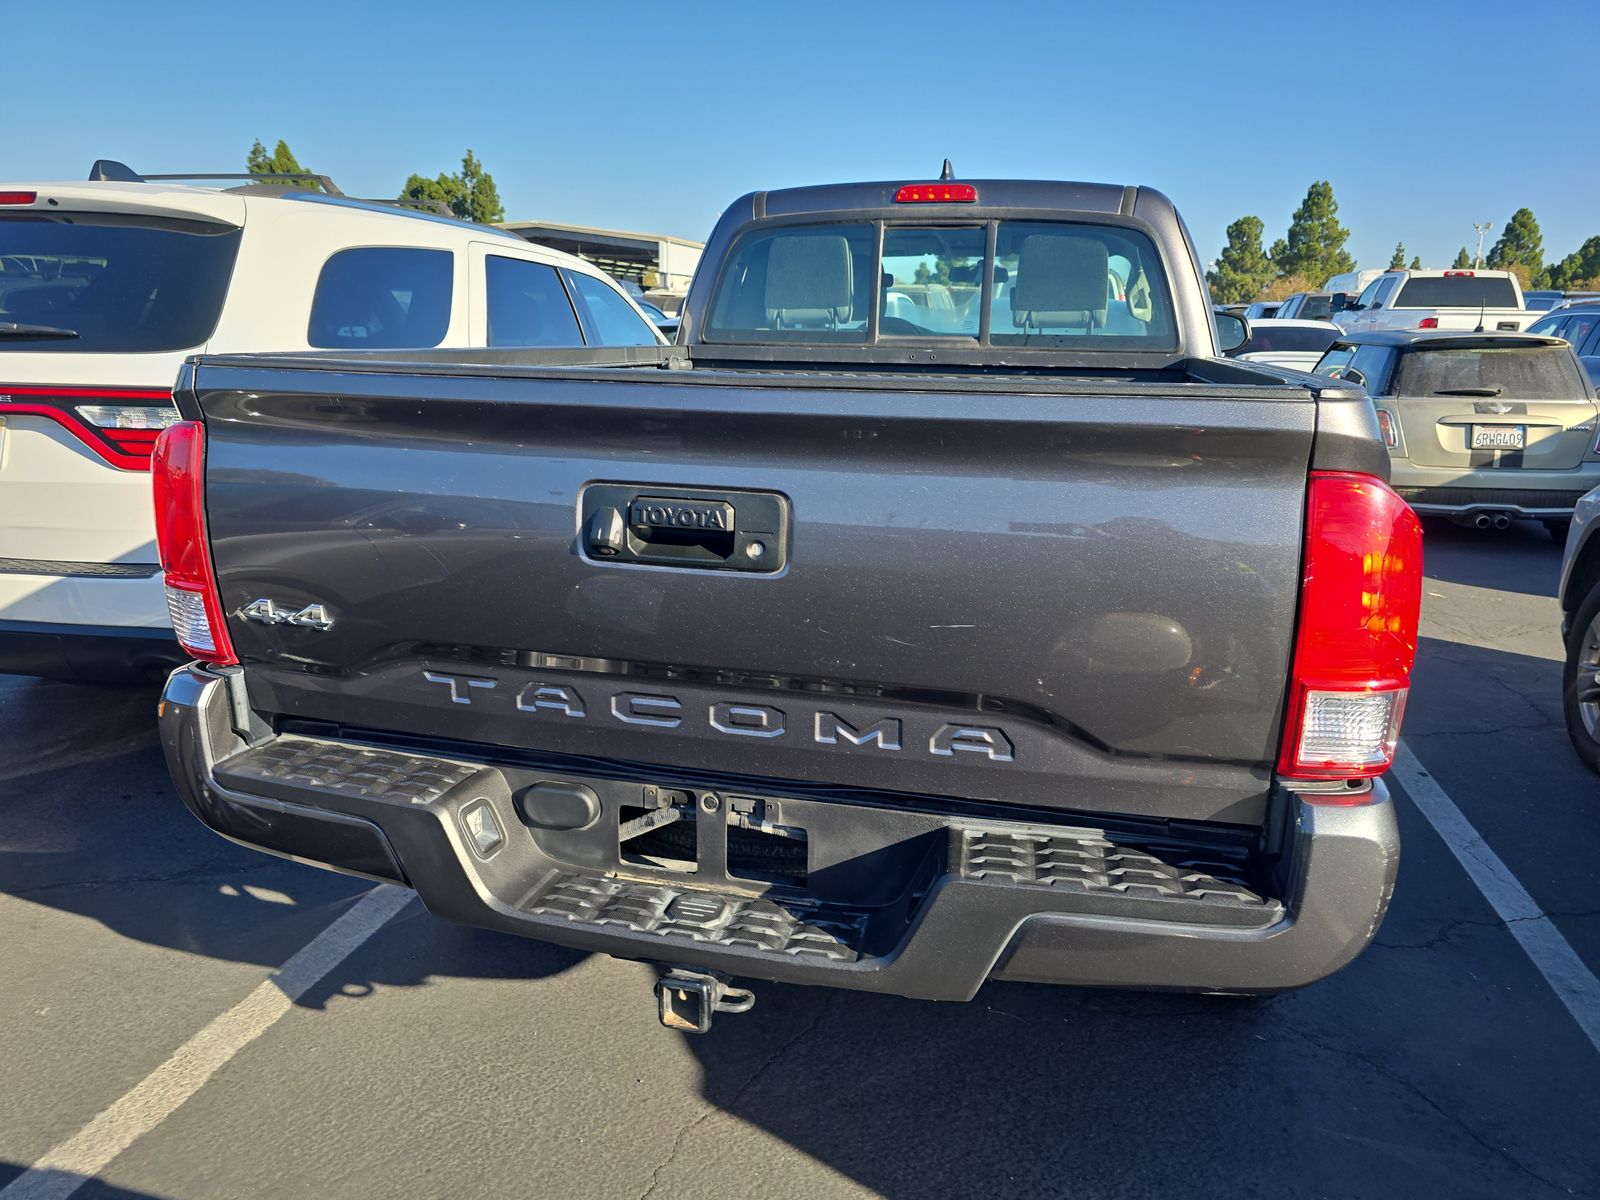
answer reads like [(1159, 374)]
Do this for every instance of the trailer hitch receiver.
[(688, 999)]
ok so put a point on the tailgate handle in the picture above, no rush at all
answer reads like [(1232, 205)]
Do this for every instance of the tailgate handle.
[(737, 531)]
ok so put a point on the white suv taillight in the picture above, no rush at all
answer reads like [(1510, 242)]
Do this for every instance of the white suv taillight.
[(1360, 600), (178, 471)]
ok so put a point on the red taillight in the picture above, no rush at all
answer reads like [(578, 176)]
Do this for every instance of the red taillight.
[(936, 193), (195, 605), (1428, 323), (1360, 599), (118, 424), (1469, 274), (18, 197)]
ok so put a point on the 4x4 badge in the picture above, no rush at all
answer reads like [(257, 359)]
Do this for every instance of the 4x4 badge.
[(312, 616)]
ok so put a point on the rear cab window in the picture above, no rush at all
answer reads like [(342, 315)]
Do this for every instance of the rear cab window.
[(1457, 291), (83, 282), (1007, 282), (383, 298)]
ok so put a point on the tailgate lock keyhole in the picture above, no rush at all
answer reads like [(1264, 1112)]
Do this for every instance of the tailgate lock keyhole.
[(607, 537)]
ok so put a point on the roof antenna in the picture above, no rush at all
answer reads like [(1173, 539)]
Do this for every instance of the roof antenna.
[(947, 173)]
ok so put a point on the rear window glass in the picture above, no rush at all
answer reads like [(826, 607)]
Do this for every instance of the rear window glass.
[(1049, 284), (932, 282), (104, 283), (1096, 282), (1315, 308), (383, 298), (1460, 291), (1526, 373), (806, 284), (1286, 337)]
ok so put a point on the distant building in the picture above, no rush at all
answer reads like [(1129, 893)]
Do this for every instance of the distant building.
[(656, 262)]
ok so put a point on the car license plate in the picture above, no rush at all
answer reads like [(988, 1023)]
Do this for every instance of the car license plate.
[(1499, 437)]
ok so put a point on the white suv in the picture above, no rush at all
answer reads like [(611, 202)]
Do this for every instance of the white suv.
[(106, 285)]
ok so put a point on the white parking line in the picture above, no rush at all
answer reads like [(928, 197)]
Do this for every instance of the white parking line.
[(72, 1163), (1557, 961)]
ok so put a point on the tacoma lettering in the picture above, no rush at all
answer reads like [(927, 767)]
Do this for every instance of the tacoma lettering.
[(732, 718)]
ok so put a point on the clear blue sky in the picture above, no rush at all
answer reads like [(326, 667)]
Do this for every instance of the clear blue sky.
[(654, 116)]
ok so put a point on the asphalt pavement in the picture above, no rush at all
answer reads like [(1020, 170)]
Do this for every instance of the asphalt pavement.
[(143, 1056)]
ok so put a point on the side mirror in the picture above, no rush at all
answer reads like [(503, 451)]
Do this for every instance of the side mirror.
[(1232, 332)]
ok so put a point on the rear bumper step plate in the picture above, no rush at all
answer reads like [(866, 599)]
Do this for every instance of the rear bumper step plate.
[(892, 899)]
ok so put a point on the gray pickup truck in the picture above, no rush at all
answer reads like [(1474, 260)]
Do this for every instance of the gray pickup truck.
[(940, 608)]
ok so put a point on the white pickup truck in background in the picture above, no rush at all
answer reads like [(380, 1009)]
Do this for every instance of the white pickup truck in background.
[(1466, 301)]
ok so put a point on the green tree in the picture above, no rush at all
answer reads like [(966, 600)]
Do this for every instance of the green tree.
[(1580, 267), (1242, 268), (1416, 262), (1463, 260), (1397, 260), (1315, 245), (470, 193), (1520, 244), (280, 162)]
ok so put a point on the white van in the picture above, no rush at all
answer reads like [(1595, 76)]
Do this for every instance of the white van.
[(105, 287), (1353, 283)]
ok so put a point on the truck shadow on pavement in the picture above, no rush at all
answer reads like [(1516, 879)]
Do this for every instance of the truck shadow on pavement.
[(90, 824), (57, 1183)]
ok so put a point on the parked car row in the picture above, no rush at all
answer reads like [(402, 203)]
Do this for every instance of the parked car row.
[(1468, 300), (1483, 424), (1576, 322), (107, 285)]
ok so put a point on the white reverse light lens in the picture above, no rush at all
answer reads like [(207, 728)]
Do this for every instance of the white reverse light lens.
[(1354, 729), (188, 612), (128, 416)]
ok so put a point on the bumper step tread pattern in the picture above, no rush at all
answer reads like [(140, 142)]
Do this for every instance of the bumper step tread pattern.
[(345, 770), (1084, 862), (797, 930)]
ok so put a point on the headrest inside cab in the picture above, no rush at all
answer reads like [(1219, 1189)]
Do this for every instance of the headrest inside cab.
[(811, 272), (1061, 273)]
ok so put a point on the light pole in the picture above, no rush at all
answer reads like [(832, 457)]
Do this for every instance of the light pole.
[(1482, 227)]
